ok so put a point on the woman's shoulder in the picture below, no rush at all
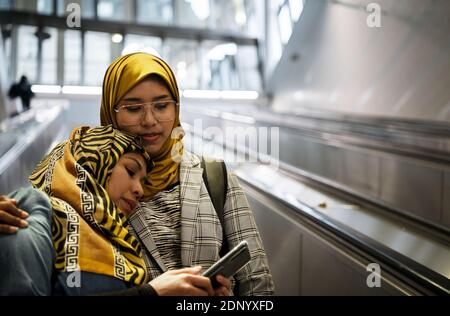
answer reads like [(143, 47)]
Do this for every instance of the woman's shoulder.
[(190, 160)]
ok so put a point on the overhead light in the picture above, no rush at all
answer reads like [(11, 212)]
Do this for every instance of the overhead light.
[(84, 90), (284, 21), (240, 18), (239, 95), (51, 89), (296, 9), (117, 38), (202, 94), (217, 95)]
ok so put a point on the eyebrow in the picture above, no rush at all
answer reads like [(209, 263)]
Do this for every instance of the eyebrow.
[(134, 99)]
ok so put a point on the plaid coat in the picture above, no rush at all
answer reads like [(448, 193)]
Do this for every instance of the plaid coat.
[(201, 231)]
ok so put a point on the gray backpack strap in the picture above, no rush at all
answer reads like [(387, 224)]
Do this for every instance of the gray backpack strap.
[(216, 182)]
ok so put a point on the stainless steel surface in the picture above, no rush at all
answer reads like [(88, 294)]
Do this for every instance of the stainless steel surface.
[(282, 241), (302, 262), (446, 200), (32, 139), (328, 270), (413, 186), (323, 268), (359, 170)]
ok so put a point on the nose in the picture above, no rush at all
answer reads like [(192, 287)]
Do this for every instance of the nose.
[(148, 119), (138, 190)]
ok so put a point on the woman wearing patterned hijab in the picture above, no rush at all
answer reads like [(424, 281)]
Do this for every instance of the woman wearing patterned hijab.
[(89, 227)]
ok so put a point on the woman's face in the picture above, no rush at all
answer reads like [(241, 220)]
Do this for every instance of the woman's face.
[(125, 184), (153, 132)]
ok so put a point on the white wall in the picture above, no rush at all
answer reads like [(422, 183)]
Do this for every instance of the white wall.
[(335, 62)]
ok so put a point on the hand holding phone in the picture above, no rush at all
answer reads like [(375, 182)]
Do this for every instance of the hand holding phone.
[(231, 263)]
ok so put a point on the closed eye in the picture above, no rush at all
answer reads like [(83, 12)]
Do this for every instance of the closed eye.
[(133, 108), (161, 105), (130, 172)]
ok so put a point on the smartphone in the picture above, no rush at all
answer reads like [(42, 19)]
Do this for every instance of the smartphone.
[(229, 264)]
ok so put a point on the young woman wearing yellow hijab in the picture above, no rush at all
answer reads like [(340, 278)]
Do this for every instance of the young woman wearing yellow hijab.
[(140, 79)]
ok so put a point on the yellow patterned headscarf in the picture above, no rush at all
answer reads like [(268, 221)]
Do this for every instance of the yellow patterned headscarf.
[(122, 75), (89, 232)]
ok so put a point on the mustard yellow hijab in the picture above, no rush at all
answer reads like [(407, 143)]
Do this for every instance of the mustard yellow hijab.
[(122, 75)]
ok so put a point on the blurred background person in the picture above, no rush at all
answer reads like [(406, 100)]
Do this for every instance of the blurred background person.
[(22, 89)]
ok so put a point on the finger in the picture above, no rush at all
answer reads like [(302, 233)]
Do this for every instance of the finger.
[(10, 207), (190, 270), (8, 219), (223, 281), (6, 229), (5, 198), (222, 291), (201, 282), (196, 291)]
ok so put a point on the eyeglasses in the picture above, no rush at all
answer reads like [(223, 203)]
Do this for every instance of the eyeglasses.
[(134, 113)]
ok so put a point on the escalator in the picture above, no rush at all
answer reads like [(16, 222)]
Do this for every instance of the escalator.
[(325, 236)]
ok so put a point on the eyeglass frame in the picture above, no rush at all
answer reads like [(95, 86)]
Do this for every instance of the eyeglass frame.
[(117, 109)]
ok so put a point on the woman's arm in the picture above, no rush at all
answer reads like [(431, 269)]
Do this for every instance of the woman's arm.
[(26, 258), (141, 290), (181, 282), (255, 278)]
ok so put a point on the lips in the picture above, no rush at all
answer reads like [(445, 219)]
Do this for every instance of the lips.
[(132, 204), (152, 137)]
